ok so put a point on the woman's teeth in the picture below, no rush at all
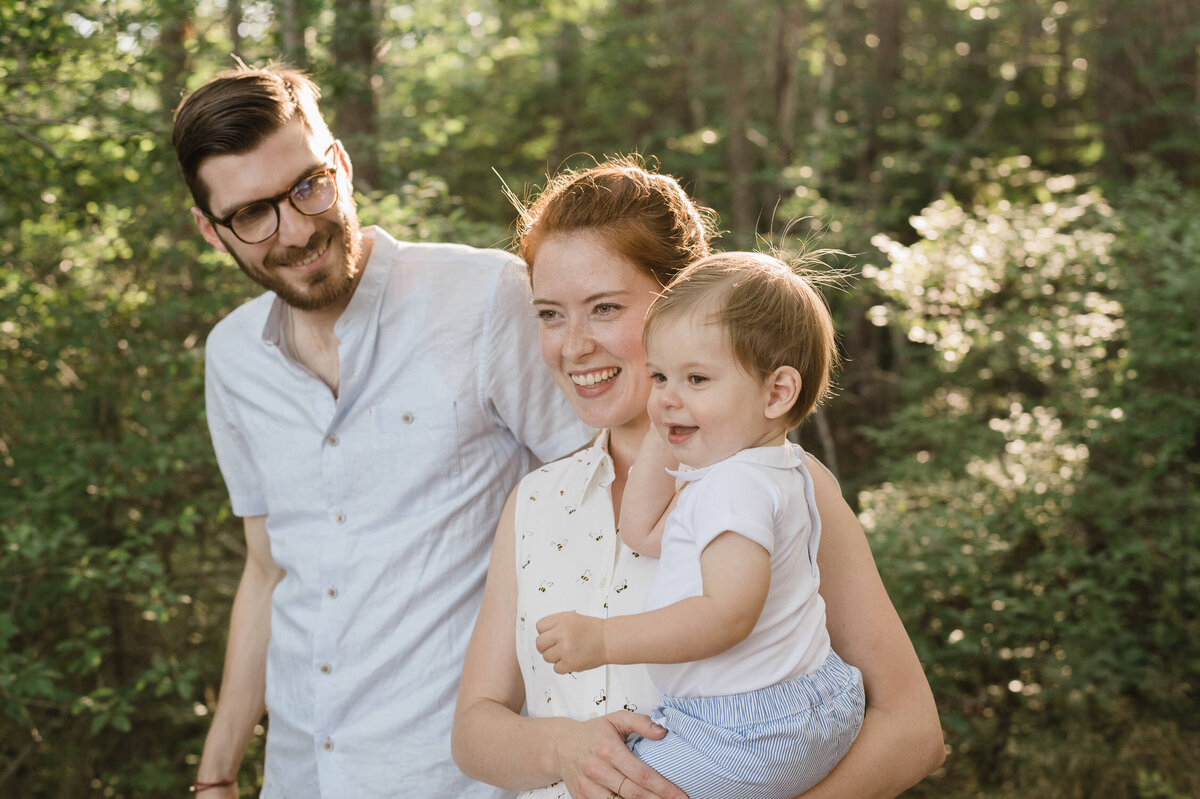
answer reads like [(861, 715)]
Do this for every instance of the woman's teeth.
[(592, 378)]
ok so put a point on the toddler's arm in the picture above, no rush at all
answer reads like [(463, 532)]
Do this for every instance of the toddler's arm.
[(736, 573), (648, 495)]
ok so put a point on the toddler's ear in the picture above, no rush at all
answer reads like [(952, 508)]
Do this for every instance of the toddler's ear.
[(783, 390)]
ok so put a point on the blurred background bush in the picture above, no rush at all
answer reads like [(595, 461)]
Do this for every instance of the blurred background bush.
[(1019, 184)]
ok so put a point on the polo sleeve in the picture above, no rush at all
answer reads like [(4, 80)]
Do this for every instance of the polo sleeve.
[(229, 443), (735, 498), (517, 383)]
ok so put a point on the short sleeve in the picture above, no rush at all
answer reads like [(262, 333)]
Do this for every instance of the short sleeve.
[(517, 383), (233, 455), (734, 498)]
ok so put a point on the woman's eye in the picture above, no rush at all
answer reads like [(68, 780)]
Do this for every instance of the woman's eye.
[(546, 315), (606, 308)]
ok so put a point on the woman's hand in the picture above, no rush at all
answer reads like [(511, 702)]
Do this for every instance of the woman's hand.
[(571, 642), (594, 762)]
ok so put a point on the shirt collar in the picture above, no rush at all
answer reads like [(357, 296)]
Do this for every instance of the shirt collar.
[(368, 294), (593, 466), (782, 456)]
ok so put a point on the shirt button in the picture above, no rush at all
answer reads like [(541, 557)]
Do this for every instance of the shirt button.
[(339, 517), (327, 745), (407, 418), (331, 592), (326, 668), (332, 441)]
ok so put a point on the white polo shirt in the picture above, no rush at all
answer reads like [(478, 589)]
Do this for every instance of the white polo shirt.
[(765, 494), (381, 504)]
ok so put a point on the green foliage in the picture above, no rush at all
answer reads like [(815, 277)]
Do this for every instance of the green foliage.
[(1035, 532), (1020, 409)]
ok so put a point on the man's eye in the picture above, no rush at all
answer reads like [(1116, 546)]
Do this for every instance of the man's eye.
[(304, 188)]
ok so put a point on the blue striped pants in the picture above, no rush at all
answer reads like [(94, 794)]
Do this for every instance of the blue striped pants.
[(773, 743)]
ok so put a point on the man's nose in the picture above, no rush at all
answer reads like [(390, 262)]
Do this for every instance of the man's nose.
[(295, 229)]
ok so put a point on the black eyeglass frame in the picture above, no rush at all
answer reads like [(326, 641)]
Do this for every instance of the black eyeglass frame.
[(227, 221)]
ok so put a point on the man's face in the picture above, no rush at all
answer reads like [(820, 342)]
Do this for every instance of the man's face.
[(312, 261)]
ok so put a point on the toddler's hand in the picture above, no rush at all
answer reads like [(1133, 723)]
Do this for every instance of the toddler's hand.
[(571, 642)]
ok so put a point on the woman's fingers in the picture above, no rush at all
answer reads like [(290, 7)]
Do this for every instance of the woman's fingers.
[(641, 781)]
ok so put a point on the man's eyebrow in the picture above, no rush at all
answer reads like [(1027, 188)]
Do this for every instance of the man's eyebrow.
[(312, 170)]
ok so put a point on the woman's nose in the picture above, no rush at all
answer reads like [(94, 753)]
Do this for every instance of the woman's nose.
[(579, 340)]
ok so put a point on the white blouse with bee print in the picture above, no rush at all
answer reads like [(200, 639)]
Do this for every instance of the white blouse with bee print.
[(569, 557)]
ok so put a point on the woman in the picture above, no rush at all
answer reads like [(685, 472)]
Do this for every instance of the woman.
[(600, 244)]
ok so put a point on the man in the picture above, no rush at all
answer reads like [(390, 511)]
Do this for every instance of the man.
[(369, 413)]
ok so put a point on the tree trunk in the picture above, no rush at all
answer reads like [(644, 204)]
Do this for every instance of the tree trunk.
[(823, 106), (354, 39), (291, 32), (737, 150), (887, 72), (234, 11)]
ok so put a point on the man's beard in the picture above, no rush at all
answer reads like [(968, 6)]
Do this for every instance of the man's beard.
[(322, 287)]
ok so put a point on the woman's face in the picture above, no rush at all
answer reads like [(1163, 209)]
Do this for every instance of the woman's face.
[(591, 304)]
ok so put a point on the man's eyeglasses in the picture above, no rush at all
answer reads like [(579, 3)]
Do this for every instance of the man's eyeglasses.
[(258, 221)]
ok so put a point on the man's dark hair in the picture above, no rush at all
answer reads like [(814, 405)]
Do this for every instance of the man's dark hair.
[(234, 112)]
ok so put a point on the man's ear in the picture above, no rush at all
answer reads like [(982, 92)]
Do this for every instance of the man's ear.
[(344, 161), (208, 230), (783, 389)]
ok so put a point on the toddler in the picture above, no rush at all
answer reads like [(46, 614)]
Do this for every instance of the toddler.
[(740, 350)]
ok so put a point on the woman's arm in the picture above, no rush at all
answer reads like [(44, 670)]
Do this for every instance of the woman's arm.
[(493, 743), (648, 496), (901, 738)]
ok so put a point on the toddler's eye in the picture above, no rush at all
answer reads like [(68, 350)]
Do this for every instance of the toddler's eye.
[(696, 380), (658, 377)]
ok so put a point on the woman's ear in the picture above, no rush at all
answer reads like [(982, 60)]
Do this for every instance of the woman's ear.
[(783, 389)]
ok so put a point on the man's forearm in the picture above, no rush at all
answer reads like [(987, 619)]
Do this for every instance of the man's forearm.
[(243, 682)]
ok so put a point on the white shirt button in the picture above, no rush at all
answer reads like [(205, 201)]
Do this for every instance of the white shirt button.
[(339, 517), (326, 668), (327, 745), (407, 418), (331, 592), (332, 441)]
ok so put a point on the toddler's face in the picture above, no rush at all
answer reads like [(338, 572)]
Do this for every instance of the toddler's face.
[(702, 402)]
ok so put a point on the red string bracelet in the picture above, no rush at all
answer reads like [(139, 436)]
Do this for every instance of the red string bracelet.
[(197, 787)]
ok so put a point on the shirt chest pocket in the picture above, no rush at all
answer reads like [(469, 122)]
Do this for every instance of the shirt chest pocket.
[(420, 449)]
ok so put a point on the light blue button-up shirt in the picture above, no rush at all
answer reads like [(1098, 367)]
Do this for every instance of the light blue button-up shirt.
[(380, 505)]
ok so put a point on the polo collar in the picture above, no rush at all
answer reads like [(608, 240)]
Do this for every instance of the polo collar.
[(781, 456)]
